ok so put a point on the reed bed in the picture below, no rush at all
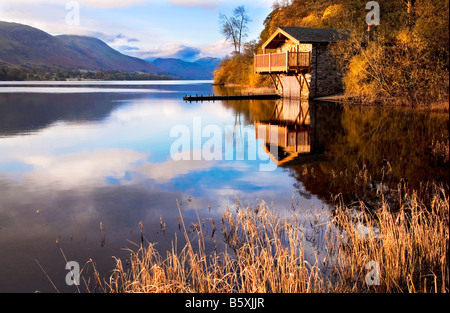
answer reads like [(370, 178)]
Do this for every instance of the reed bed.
[(265, 253), (258, 260), (410, 246)]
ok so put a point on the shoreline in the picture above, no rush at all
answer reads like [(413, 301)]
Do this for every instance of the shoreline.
[(434, 106)]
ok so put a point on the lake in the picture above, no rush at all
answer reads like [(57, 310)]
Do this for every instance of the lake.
[(84, 164)]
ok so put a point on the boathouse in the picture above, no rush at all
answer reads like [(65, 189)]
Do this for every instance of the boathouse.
[(299, 63)]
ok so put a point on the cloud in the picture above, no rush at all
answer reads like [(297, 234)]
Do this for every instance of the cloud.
[(93, 168), (207, 4), (104, 4), (187, 53), (110, 38), (82, 167), (127, 48), (121, 36), (119, 42), (111, 3), (164, 172), (178, 51), (218, 49)]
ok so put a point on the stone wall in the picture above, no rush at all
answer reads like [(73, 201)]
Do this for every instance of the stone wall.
[(326, 78)]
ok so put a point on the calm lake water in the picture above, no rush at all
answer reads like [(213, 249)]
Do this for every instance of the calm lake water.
[(83, 164)]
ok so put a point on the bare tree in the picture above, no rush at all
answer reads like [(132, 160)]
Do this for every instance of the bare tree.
[(235, 28)]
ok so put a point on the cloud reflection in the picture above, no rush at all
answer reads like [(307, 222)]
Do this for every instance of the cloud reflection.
[(111, 165)]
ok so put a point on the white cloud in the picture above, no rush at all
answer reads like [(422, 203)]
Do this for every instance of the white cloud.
[(197, 3), (168, 50), (111, 3), (88, 3), (82, 168), (208, 4), (219, 48), (93, 168), (164, 172)]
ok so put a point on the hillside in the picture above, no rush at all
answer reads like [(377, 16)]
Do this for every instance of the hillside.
[(200, 69), (25, 46), (406, 57)]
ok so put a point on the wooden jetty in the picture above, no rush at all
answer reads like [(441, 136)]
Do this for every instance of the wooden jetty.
[(231, 97)]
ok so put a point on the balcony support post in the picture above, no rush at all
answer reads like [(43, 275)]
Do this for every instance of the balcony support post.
[(270, 61), (287, 61)]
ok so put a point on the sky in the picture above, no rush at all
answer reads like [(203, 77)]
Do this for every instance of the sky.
[(148, 29)]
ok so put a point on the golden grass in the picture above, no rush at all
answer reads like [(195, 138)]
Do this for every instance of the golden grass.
[(266, 253), (410, 246), (260, 261)]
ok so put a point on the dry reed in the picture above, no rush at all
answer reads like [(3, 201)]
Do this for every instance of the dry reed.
[(265, 253), (410, 246)]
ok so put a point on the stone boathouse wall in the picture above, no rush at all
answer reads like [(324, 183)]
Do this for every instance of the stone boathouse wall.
[(324, 79)]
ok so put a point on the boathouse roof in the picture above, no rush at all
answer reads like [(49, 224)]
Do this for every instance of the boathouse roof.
[(304, 35)]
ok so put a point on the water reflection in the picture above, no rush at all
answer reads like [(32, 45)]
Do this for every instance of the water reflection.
[(301, 129), (36, 109), (21, 113), (329, 148), (289, 128), (69, 162)]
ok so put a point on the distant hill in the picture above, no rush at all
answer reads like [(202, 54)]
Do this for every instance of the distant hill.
[(200, 69), (22, 45)]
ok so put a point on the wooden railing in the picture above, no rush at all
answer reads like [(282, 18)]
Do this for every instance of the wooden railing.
[(299, 59), (282, 62)]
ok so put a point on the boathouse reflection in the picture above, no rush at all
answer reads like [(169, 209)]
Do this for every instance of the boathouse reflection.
[(288, 128)]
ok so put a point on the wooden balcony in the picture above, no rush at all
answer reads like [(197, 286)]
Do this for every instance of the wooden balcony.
[(282, 62)]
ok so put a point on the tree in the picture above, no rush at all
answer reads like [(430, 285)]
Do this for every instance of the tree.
[(235, 28)]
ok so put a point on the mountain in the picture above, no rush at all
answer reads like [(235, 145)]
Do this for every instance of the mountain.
[(22, 45), (200, 69)]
